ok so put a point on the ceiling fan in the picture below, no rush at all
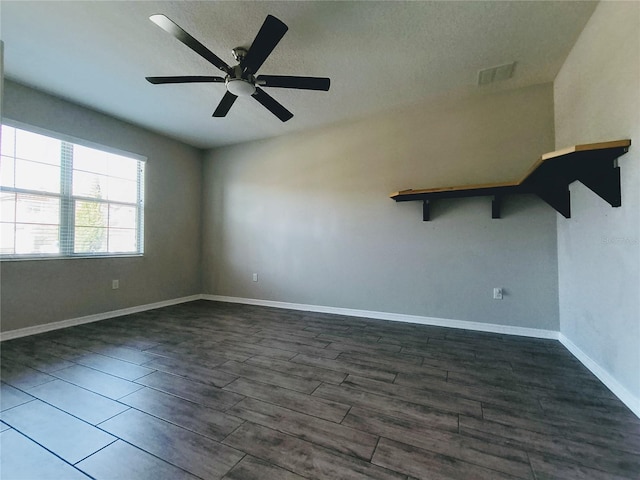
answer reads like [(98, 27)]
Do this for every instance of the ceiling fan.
[(240, 79)]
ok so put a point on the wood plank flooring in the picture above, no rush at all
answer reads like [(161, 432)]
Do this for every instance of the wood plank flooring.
[(221, 391)]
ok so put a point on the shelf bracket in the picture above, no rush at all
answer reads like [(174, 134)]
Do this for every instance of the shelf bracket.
[(557, 195), (604, 181), (496, 206), (426, 214)]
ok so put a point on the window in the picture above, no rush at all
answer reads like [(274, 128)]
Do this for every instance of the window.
[(64, 199)]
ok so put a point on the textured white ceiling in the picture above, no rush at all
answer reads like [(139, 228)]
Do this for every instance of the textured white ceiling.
[(379, 55)]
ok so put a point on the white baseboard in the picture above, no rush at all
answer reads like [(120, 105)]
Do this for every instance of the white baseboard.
[(47, 327), (612, 384), (394, 317)]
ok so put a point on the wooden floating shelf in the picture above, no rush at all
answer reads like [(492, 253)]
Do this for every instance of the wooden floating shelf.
[(595, 165)]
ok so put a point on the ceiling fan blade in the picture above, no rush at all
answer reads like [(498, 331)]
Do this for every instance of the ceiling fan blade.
[(187, 79), (272, 105), (285, 81), (270, 34), (171, 27), (225, 105)]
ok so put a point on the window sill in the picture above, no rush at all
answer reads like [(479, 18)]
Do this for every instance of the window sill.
[(74, 257)]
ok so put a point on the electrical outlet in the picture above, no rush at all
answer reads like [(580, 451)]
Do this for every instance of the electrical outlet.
[(115, 284), (497, 293), (255, 277)]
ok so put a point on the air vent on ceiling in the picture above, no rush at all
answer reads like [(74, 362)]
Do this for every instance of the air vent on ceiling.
[(496, 74)]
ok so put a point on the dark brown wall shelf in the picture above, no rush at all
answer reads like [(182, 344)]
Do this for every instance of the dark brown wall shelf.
[(595, 165)]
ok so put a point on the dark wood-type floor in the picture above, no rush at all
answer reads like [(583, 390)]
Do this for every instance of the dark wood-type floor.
[(212, 390)]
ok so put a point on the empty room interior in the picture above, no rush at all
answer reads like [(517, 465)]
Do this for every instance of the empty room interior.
[(320, 240)]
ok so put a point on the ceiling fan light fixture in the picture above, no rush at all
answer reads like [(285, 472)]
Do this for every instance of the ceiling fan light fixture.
[(240, 87)]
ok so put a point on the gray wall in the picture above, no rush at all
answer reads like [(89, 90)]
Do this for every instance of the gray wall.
[(310, 214), (597, 98), (42, 291)]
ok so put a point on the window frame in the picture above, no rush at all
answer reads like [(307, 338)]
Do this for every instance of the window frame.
[(67, 199)]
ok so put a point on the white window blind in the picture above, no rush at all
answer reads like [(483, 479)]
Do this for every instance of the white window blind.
[(64, 199)]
